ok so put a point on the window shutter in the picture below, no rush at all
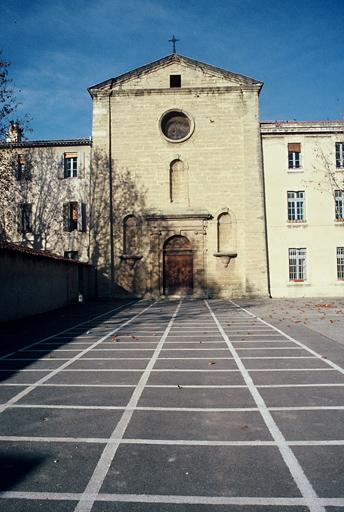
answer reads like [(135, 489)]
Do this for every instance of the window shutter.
[(28, 217), (81, 164), (66, 216), (61, 168), (83, 218), (20, 160), (294, 147), (80, 211), (20, 219)]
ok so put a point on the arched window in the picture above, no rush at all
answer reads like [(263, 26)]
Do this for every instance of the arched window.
[(225, 233), (130, 234), (177, 182)]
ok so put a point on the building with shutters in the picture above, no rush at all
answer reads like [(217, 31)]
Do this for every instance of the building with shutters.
[(50, 189), (184, 191)]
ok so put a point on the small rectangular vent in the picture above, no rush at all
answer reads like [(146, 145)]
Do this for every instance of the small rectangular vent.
[(175, 80)]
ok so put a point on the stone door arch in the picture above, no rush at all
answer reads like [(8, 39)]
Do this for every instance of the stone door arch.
[(178, 266)]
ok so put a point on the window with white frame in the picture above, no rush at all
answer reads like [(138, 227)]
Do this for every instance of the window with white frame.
[(340, 155), (297, 264), (70, 165), (340, 263), (294, 155), (339, 199), (296, 206)]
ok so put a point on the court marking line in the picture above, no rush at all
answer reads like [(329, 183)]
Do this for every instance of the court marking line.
[(292, 463), (170, 499), (164, 442), (99, 474), (179, 409), (203, 386)]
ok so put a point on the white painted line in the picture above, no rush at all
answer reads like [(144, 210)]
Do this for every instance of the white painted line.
[(179, 409), (298, 385), (290, 338), (310, 408), (76, 407), (339, 442), (287, 454), (284, 342), (148, 498), (193, 349), (167, 442), (51, 374), (31, 439), (122, 407), (279, 357), (186, 358), (270, 348), (96, 481), (173, 499), (71, 385), (190, 370), (196, 386), (290, 369)]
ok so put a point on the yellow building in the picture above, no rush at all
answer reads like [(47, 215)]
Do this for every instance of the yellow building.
[(304, 183)]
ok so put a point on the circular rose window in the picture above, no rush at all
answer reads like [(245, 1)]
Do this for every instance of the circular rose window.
[(176, 126)]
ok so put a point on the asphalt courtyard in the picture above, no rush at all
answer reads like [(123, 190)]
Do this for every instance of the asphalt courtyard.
[(175, 406)]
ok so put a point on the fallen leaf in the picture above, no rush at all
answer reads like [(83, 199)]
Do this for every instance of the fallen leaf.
[(179, 386), (211, 362)]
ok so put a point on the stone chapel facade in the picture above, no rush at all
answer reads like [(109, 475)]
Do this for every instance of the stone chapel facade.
[(183, 181)]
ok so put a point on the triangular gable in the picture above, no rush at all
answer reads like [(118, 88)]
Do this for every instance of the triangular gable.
[(170, 60)]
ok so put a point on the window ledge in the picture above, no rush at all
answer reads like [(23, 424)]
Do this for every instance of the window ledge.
[(298, 283), (131, 256), (339, 222), (296, 223), (228, 254), (296, 170)]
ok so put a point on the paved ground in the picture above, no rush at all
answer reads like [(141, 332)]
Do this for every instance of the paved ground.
[(175, 406)]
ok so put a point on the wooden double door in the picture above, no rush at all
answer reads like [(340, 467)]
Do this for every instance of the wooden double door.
[(178, 266)]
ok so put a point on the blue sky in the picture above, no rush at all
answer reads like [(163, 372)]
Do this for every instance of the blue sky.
[(59, 48)]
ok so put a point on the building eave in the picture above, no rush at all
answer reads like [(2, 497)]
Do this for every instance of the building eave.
[(45, 143), (170, 59)]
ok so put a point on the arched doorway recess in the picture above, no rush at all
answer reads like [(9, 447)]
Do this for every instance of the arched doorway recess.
[(178, 266)]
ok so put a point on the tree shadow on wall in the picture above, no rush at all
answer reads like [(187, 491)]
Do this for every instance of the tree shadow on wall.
[(37, 178), (119, 242)]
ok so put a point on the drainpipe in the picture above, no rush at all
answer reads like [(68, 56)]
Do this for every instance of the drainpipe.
[(265, 216), (112, 250)]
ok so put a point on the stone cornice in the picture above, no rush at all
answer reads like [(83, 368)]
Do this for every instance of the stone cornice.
[(175, 92), (301, 127)]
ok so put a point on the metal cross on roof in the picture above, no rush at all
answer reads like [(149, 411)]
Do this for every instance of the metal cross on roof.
[(173, 41)]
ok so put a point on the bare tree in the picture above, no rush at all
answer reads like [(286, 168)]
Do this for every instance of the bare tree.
[(8, 111)]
